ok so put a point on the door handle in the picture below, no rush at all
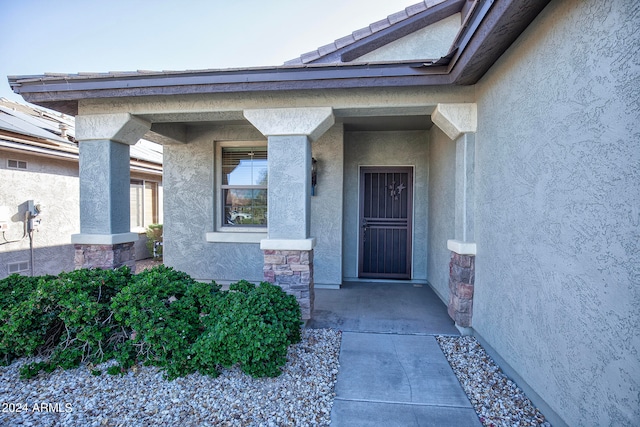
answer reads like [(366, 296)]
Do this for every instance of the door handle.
[(364, 230)]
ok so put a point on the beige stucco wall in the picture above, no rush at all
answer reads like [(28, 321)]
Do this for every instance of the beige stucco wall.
[(54, 183), (432, 42), (557, 225), (326, 207), (190, 210), (442, 176), (190, 197)]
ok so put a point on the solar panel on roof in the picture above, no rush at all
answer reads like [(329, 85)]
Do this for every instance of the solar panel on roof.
[(16, 121)]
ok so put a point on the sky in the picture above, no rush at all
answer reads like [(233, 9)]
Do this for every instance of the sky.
[(70, 36)]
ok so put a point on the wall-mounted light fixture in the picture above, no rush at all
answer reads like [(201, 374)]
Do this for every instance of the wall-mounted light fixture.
[(314, 175)]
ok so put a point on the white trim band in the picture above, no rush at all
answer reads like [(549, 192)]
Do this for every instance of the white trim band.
[(222, 237), (461, 248), (288, 244), (103, 239)]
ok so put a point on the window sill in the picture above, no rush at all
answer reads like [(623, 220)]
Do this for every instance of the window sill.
[(235, 237)]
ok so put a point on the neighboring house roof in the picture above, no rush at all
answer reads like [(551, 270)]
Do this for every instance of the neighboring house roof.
[(487, 29), (26, 129), (16, 121), (147, 151)]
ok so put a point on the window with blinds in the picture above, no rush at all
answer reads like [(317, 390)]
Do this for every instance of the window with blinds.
[(144, 203), (244, 186)]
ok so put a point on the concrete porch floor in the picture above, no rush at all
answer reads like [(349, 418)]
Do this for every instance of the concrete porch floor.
[(392, 371), (387, 308)]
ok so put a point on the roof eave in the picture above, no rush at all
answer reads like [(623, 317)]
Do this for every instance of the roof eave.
[(61, 93), (498, 27)]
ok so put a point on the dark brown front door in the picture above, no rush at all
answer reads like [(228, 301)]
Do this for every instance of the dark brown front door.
[(386, 205)]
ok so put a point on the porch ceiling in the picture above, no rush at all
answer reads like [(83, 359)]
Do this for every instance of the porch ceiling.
[(406, 115), (177, 131), (386, 123)]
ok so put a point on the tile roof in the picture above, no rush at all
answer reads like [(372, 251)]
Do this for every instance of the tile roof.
[(362, 33), (488, 28), (35, 122), (18, 122), (34, 129)]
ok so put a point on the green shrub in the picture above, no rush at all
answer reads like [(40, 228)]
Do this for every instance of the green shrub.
[(161, 307), (83, 298), (25, 317), (66, 319), (160, 317), (251, 326)]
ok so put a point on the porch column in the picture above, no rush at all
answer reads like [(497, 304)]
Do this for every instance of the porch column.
[(288, 250), (105, 240), (459, 122)]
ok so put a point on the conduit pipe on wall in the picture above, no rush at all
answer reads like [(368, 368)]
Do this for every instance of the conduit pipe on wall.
[(28, 229), (33, 210), (31, 252), (24, 234)]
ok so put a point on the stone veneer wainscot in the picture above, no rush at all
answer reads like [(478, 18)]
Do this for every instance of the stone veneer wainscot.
[(292, 270), (461, 281), (105, 256)]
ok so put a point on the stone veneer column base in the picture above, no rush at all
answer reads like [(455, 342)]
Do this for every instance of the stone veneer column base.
[(461, 281), (105, 256), (292, 270)]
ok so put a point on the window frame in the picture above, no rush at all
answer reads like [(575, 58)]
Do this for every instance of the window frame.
[(156, 201), (21, 165), (19, 264), (220, 226)]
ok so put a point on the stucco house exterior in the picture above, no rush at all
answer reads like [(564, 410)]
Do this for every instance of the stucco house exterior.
[(487, 148), (39, 190)]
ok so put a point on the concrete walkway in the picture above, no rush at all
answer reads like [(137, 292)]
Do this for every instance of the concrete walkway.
[(392, 371)]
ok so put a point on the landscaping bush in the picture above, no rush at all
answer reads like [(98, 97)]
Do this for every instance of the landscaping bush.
[(66, 319), (161, 307), (251, 326), (22, 322), (160, 317)]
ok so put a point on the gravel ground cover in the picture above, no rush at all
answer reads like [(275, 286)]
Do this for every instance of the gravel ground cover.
[(302, 396), (497, 400), (146, 264)]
